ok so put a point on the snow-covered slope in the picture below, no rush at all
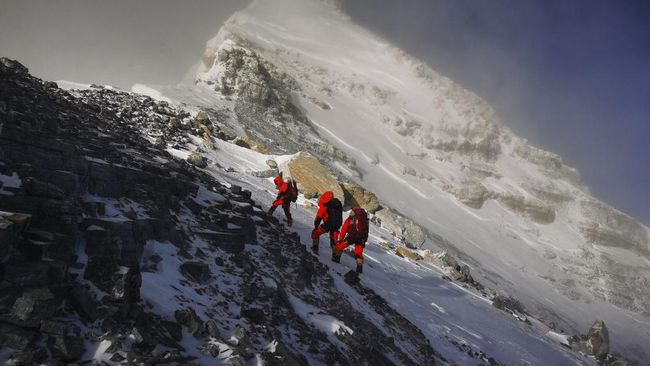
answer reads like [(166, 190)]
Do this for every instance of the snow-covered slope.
[(453, 318), (436, 153)]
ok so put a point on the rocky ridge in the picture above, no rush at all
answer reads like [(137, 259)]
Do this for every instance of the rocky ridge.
[(101, 217)]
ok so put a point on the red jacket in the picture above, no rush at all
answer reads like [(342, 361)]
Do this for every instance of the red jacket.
[(322, 210), (283, 189)]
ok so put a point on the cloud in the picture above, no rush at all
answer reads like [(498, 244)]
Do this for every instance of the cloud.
[(572, 77), (110, 42)]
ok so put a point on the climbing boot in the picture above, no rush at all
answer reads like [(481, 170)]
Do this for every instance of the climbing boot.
[(359, 265), (314, 245), (336, 256)]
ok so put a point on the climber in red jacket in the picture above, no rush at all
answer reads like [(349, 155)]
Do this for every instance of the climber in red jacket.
[(330, 213), (283, 199), (355, 231)]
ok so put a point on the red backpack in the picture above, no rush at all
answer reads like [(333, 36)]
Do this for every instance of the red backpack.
[(359, 224), (293, 190)]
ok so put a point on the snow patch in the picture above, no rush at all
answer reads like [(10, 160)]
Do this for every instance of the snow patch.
[(150, 92), (316, 317)]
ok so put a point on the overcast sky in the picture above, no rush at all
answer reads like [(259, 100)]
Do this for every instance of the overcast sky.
[(571, 76), (117, 42)]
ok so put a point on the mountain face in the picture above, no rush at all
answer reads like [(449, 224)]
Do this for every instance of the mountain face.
[(437, 154), (126, 240), (133, 228)]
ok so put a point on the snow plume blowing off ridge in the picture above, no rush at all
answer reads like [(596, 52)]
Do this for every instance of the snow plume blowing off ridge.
[(438, 154), (136, 225)]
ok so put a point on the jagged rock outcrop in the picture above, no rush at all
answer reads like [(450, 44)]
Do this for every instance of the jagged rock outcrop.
[(262, 96), (406, 253), (356, 195), (440, 259), (475, 196), (595, 342), (610, 227), (312, 176), (262, 100), (248, 143), (535, 210), (479, 138), (550, 163), (412, 234), (197, 160)]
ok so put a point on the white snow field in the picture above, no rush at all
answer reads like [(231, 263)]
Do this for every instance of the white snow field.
[(423, 144)]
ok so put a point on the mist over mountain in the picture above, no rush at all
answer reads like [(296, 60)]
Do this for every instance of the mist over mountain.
[(571, 77), (135, 223)]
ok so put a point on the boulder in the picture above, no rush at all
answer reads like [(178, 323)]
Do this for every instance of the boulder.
[(406, 253), (508, 303), (272, 164), (461, 273), (35, 305), (67, 348), (268, 173), (55, 327), (20, 220), (239, 337), (596, 341), (312, 176), (356, 195), (8, 237), (191, 321), (249, 143), (126, 284), (31, 356), (100, 270), (202, 118), (35, 187), (34, 274), (197, 160), (212, 329), (440, 259), (15, 337), (196, 271), (404, 229)]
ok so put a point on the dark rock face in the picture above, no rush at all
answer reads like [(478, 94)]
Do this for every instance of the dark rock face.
[(507, 303), (196, 271), (35, 305), (197, 160), (88, 179), (598, 337), (595, 342), (191, 321)]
